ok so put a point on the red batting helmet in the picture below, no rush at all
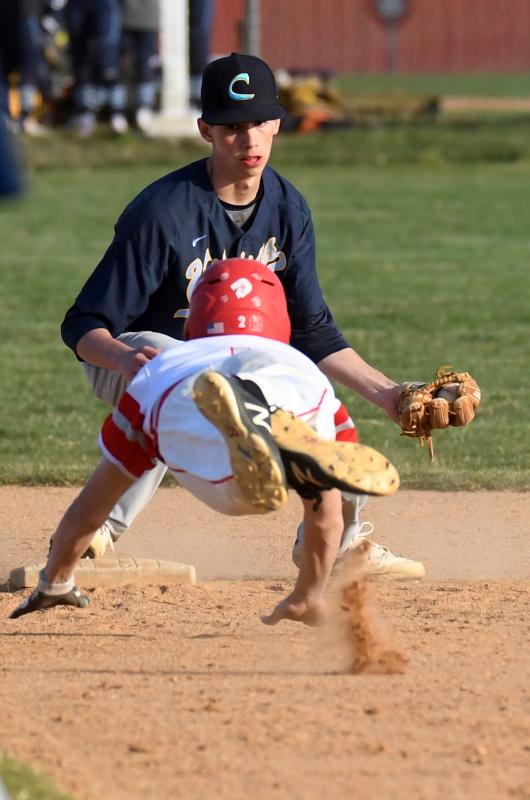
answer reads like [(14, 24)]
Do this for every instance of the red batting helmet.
[(239, 295)]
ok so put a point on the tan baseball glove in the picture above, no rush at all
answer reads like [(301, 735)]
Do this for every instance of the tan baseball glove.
[(451, 399)]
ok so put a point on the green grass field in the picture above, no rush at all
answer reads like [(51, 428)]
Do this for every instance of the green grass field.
[(23, 783), (423, 247), (480, 84)]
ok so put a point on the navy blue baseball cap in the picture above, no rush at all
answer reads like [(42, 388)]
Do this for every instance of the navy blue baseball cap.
[(239, 88)]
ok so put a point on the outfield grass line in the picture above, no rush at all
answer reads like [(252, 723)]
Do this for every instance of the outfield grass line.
[(21, 781)]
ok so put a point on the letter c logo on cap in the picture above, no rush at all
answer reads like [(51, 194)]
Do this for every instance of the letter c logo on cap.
[(245, 77)]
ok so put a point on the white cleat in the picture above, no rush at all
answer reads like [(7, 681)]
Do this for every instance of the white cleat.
[(84, 124), (143, 119), (379, 561), (118, 124), (32, 127)]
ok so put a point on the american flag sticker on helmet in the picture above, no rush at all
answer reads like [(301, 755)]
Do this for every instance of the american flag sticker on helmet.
[(215, 327)]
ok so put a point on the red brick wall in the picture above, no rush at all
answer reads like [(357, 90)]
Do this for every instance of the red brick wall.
[(344, 35)]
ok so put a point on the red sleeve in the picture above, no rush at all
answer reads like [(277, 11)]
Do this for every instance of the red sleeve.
[(345, 430), (123, 440)]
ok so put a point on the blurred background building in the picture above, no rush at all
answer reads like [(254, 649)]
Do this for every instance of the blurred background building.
[(436, 36)]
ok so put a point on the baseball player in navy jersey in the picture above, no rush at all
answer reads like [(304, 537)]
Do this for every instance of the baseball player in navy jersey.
[(94, 28), (231, 204), (238, 416)]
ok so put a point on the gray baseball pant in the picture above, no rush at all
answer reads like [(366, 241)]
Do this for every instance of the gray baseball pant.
[(109, 386)]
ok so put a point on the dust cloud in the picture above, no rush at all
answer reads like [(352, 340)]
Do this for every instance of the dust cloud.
[(366, 647)]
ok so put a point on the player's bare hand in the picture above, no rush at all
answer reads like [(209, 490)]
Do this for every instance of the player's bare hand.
[(130, 362), (313, 614)]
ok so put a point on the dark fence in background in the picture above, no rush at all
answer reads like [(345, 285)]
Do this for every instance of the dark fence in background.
[(438, 36)]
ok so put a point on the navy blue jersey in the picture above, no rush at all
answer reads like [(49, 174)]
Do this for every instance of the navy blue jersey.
[(172, 231)]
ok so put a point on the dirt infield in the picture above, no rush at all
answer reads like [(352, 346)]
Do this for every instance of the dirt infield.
[(181, 692)]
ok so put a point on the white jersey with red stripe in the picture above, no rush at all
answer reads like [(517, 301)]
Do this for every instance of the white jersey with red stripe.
[(157, 418)]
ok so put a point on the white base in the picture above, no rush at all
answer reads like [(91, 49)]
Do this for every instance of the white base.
[(91, 572)]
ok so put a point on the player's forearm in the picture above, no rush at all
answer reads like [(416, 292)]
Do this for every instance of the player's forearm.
[(347, 367), (99, 348), (70, 541), (82, 519), (322, 534)]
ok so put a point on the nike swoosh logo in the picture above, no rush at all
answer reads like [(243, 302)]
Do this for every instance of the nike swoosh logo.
[(198, 239)]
